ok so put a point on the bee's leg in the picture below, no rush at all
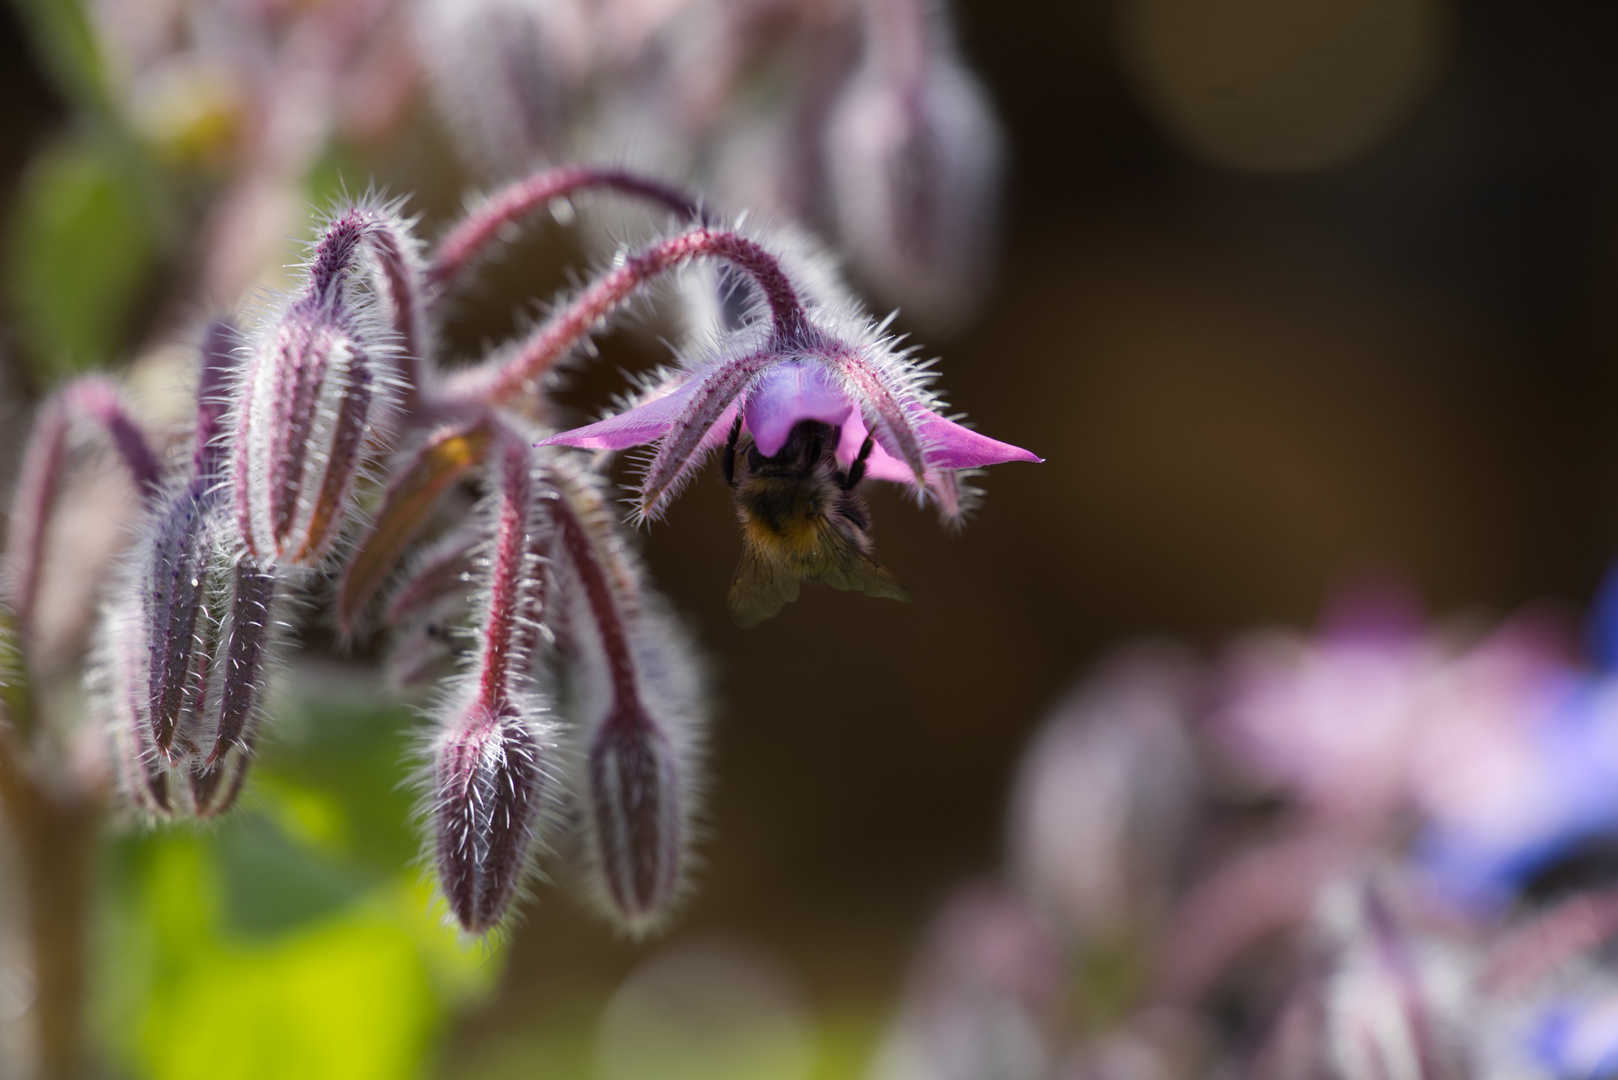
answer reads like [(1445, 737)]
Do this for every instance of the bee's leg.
[(727, 461), (856, 471)]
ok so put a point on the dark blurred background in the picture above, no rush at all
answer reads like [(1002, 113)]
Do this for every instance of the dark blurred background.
[(1283, 310)]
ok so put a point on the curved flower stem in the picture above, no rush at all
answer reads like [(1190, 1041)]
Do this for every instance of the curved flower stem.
[(574, 537), (1255, 895), (468, 241), (514, 369), (93, 398), (398, 278)]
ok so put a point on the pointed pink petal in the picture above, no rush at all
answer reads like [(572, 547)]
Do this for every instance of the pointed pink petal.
[(645, 423), (951, 446), (788, 394), (881, 465)]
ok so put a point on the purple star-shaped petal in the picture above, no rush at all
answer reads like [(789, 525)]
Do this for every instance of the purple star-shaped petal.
[(834, 384)]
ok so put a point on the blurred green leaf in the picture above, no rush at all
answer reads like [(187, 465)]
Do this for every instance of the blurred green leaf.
[(345, 998), (271, 885), (66, 47), (339, 767), (331, 180), (83, 242), (322, 980)]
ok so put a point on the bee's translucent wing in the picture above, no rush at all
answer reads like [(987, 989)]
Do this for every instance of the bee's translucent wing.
[(761, 588), (767, 580), (844, 565)]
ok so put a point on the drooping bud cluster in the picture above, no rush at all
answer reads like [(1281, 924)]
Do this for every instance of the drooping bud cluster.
[(191, 640), (538, 597)]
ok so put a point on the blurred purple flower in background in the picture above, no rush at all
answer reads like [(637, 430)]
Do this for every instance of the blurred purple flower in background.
[(1383, 841)]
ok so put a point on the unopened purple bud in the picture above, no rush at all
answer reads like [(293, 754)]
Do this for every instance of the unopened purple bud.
[(172, 586), (913, 154), (488, 771), (504, 74), (211, 788), (488, 781), (306, 412), (213, 397), (316, 386), (188, 638), (635, 819), (1104, 798), (234, 701)]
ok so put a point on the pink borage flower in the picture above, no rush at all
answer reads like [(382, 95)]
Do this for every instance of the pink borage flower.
[(855, 381)]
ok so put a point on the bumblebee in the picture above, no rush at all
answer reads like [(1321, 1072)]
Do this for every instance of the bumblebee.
[(802, 520)]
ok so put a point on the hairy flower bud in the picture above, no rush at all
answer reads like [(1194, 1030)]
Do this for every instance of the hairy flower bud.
[(504, 74), (488, 779), (636, 708), (189, 637), (314, 390), (305, 415), (914, 163), (634, 813)]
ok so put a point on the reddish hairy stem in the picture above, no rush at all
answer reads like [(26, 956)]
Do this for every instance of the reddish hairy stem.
[(509, 372), (609, 619), (403, 295), (93, 398), (468, 241), (501, 638)]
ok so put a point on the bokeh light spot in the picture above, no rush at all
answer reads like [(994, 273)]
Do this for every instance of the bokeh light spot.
[(1276, 85)]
